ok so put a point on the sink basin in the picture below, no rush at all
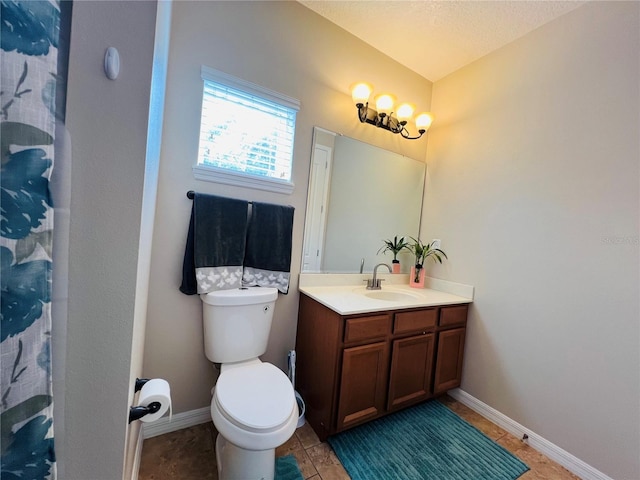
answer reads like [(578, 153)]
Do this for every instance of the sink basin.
[(391, 296)]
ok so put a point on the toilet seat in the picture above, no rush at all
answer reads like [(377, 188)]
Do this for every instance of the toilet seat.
[(257, 398)]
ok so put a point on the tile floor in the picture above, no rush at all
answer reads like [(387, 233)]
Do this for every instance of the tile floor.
[(189, 454)]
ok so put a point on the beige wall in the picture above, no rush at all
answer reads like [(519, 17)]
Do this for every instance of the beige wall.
[(533, 171), (285, 47), (107, 121)]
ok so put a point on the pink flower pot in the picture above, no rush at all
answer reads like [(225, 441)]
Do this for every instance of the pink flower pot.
[(412, 278)]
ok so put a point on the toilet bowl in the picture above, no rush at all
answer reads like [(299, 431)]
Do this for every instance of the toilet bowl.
[(254, 410)]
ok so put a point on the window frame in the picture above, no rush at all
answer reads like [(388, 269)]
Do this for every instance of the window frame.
[(225, 176)]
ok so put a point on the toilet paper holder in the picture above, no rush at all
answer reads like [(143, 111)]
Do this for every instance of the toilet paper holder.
[(136, 413), (140, 383)]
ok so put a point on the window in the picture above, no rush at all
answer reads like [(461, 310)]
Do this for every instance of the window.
[(246, 134)]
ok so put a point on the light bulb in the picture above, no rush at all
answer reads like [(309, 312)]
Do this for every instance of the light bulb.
[(405, 111), (384, 104), (360, 92), (423, 121)]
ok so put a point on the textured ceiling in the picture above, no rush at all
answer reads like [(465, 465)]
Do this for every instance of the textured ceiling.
[(435, 38)]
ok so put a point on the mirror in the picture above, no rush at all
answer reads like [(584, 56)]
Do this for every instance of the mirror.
[(359, 195)]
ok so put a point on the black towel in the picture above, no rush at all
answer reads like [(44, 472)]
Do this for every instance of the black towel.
[(215, 244), (267, 260)]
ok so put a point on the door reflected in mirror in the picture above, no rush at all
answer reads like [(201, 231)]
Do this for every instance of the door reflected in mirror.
[(359, 196)]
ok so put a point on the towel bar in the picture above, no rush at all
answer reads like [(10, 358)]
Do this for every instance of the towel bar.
[(191, 194)]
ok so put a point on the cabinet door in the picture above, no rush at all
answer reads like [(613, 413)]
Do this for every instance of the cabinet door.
[(363, 384), (448, 373), (411, 367)]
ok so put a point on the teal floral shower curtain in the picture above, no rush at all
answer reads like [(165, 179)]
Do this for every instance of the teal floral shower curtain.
[(29, 50)]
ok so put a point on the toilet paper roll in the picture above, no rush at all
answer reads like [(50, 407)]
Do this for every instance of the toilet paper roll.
[(155, 390)]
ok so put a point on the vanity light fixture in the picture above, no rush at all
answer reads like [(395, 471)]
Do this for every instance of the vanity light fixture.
[(382, 115)]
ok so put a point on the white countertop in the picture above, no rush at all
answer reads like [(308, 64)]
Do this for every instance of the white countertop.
[(350, 297)]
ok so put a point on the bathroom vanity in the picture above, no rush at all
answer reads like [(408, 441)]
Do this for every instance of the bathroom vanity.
[(363, 354)]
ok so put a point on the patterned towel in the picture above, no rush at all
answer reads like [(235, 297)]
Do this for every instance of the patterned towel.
[(215, 244), (267, 261)]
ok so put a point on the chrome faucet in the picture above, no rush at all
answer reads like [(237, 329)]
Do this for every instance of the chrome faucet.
[(374, 283)]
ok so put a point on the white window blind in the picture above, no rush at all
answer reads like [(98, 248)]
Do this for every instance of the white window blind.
[(246, 128)]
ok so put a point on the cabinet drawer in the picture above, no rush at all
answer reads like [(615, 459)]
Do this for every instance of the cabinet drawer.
[(417, 321), (453, 315), (366, 328)]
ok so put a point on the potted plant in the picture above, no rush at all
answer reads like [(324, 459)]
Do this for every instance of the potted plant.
[(422, 251), (394, 246)]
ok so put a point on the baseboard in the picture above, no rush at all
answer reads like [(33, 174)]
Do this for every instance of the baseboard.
[(177, 422), (552, 451)]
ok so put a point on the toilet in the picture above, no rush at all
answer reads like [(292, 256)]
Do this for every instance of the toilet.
[(253, 408)]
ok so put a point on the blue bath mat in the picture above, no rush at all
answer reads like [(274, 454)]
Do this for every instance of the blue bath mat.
[(425, 442), (287, 468)]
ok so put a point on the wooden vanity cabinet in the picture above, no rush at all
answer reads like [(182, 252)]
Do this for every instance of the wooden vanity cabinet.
[(448, 369), (411, 371), (363, 384), (364, 373), (354, 368), (412, 357)]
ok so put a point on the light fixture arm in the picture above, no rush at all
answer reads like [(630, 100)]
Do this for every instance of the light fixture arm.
[(363, 110), (369, 115), (407, 135)]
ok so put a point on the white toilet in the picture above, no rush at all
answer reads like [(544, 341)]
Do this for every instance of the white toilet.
[(253, 407)]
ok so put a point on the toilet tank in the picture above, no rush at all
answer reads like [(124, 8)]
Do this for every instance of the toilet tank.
[(237, 323)]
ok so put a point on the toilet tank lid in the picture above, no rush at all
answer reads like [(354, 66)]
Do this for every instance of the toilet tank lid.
[(241, 296)]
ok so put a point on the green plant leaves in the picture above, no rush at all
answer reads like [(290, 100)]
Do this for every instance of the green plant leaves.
[(394, 246), (422, 251)]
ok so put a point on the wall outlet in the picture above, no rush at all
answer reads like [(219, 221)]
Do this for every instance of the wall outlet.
[(435, 243)]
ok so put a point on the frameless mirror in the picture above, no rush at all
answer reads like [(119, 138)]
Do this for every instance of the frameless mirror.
[(359, 195)]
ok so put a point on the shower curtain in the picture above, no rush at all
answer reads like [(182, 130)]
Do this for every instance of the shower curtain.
[(31, 82)]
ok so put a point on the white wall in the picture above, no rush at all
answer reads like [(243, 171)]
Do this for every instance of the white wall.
[(287, 48), (533, 187), (133, 446), (107, 121)]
